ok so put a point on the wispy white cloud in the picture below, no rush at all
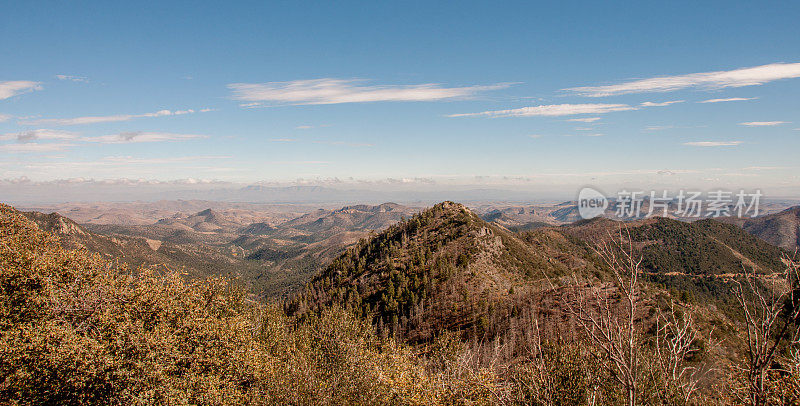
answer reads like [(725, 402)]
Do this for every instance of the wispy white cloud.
[(348, 144), (334, 91), (14, 87), (105, 119), (300, 162), (535, 136), (283, 140), (658, 127), (583, 135), (660, 104), (119, 162), (32, 147), (552, 110), (763, 123), (308, 127), (40, 134), (712, 143), (585, 120), (129, 160), (763, 168), (5, 117), (29, 137), (71, 78), (111, 181), (729, 99), (142, 136), (758, 75)]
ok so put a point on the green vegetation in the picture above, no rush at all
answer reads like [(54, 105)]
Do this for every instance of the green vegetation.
[(706, 247), (442, 308)]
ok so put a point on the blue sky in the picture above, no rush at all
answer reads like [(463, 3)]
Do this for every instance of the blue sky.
[(369, 93)]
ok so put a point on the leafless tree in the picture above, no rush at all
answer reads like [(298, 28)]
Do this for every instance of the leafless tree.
[(673, 344), (541, 373), (771, 310), (610, 324)]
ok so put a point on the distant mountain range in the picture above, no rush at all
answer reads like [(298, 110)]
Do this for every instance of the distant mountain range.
[(192, 259), (277, 250), (330, 192), (274, 257)]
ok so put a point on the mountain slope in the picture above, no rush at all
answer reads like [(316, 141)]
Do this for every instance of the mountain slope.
[(705, 247), (781, 229), (275, 257), (444, 268), (207, 220), (447, 269), (194, 260), (358, 217)]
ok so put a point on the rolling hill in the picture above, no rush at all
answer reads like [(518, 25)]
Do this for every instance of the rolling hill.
[(273, 257), (705, 247), (781, 229), (192, 260)]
